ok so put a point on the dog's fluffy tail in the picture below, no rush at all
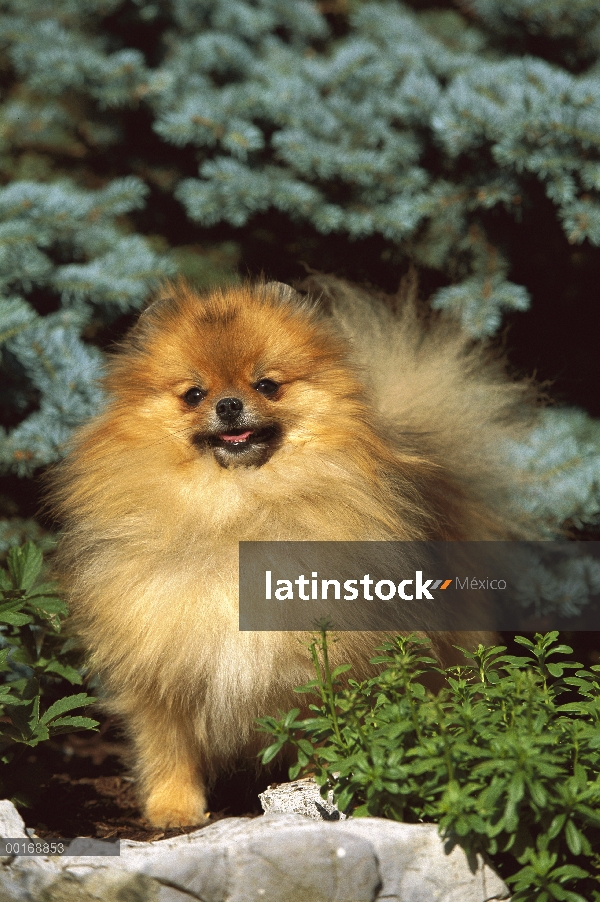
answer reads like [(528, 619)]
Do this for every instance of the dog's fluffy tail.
[(436, 387)]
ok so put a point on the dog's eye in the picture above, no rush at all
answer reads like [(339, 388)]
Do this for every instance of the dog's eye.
[(266, 387), (193, 396)]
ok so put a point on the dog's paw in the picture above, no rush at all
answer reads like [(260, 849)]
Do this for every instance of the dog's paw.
[(180, 808)]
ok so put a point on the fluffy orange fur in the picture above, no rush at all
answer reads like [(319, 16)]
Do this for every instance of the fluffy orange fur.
[(356, 423)]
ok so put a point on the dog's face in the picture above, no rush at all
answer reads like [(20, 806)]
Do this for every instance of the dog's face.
[(235, 425), (236, 375), (236, 401)]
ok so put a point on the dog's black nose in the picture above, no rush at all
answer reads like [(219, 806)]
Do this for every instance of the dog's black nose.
[(229, 408)]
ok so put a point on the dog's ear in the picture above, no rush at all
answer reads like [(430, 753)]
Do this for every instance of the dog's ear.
[(285, 292)]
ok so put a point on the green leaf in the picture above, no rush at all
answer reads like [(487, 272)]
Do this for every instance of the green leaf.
[(561, 650), (34, 717), (271, 751), (342, 668), (516, 789), (40, 734), (15, 619), (64, 670), (573, 838), (557, 825), (44, 590), (24, 717), (305, 746), (67, 704), (564, 895), (290, 717), (49, 605), (6, 696), (344, 799), (24, 565), (294, 770), (570, 872), (72, 724), (538, 794)]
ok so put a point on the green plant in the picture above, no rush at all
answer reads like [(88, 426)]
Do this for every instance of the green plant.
[(505, 758), (36, 660)]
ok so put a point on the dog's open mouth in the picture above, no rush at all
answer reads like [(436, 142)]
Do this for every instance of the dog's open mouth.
[(242, 446), (236, 438)]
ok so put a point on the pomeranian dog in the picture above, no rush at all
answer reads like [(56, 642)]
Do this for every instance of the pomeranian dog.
[(254, 413)]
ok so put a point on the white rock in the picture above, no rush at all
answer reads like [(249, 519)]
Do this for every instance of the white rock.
[(11, 822), (300, 797), (274, 858)]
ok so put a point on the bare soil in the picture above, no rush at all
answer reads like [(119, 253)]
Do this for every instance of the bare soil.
[(79, 786)]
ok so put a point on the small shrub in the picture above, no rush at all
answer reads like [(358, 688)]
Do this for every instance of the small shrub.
[(506, 758), (36, 661)]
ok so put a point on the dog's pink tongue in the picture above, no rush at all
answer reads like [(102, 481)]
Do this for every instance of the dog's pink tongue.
[(236, 438)]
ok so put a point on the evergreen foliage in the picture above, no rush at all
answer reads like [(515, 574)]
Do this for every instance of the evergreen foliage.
[(506, 759), (570, 31), (428, 131), (341, 137), (44, 229)]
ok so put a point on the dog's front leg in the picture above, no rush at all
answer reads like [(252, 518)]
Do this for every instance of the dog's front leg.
[(170, 780)]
